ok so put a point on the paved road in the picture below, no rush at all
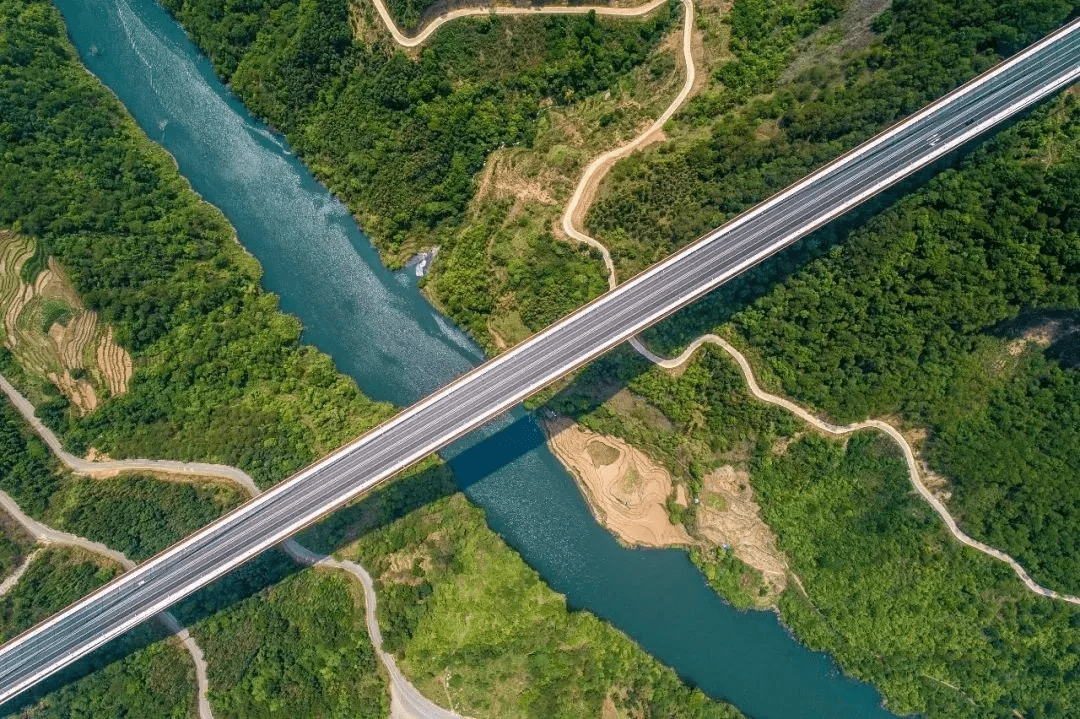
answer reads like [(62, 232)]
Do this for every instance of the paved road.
[(504, 381), (48, 535), (406, 702)]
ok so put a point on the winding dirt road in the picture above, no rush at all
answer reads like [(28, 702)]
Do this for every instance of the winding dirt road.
[(572, 220), (411, 41), (406, 702), (574, 215), (839, 430)]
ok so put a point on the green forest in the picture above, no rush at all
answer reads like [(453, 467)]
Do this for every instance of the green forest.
[(748, 136), (909, 315), (221, 375), (296, 649), (902, 309), (56, 578), (136, 515)]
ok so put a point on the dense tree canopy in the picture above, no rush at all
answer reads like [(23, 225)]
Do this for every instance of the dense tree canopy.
[(895, 310)]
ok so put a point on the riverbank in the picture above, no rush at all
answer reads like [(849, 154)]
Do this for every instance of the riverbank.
[(625, 490)]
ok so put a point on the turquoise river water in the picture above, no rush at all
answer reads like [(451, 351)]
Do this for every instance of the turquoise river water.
[(379, 329)]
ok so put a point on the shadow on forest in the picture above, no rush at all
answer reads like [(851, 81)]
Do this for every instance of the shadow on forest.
[(590, 388), (1059, 330), (672, 334)]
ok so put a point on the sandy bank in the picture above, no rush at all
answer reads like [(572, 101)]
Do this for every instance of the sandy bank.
[(624, 488)]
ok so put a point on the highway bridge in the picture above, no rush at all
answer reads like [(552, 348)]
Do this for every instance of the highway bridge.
[(497, 385)]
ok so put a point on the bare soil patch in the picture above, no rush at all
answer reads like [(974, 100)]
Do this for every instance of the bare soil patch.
[(729, 516), (626, 490)]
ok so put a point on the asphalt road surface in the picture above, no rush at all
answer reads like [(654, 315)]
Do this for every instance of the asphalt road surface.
[(497, 385)]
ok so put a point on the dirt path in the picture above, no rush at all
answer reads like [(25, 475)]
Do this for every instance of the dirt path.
[(406, 702), (584, 193), (574, 214), (428, 30), (12, 579), (838, 430)]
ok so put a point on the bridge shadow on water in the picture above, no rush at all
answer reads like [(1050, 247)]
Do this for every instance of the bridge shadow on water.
[(510, 439)]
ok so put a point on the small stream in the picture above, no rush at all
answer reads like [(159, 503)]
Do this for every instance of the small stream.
[(379, 329)]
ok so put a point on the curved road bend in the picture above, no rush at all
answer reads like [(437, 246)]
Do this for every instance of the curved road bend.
[(407, 41), (497, 385), (406, 702)]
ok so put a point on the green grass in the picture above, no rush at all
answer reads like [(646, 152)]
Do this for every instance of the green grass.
[(730, 577), (52, 312), (15, 544), (297, 649), (468, 608)]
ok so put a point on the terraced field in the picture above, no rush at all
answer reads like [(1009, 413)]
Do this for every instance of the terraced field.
[(52, 335)]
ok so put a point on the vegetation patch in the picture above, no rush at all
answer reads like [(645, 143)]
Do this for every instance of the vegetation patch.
[(139, 515), (133, 514), (297, 649), (222, 376), (877, 580), (15, 544), (941, 629), (55, 579)]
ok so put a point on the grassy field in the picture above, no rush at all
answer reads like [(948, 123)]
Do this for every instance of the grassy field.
[(474, 627)]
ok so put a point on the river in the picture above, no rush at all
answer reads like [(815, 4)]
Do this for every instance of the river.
[(378, 328)]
